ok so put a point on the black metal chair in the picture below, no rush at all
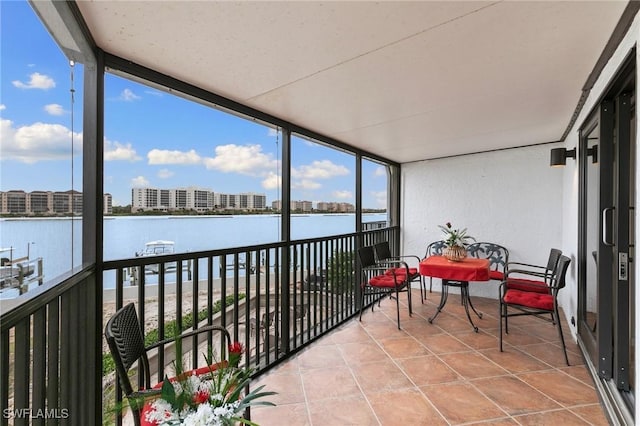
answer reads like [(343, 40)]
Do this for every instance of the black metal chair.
[(497, 255), (529, 277), (377, 282), (265, 323), (126, 343), (434, 249), (535, 303), (382, 252), (300, 311)]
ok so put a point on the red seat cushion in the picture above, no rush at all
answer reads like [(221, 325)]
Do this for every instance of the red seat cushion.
[(496, 275), (402, 271), (387, 281), (529, 299), (527, 285)]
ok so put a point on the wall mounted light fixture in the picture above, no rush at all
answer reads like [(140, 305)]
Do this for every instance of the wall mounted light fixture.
[(559, 156), (593, 153)]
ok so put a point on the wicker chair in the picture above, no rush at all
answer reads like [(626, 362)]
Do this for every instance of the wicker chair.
[(126, 343)]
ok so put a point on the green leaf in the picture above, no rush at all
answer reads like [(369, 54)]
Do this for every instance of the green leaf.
[(169, 393)]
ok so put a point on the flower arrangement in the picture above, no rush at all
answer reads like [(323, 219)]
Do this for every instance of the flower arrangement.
[(212, 399), (455, 237)]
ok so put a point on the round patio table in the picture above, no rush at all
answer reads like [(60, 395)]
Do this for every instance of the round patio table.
[(456, 274)]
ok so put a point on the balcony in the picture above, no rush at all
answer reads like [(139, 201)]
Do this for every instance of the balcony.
[(371, 373), (462, 118), (322, 356)]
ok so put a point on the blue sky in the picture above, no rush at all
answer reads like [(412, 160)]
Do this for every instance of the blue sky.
[(152, 138)]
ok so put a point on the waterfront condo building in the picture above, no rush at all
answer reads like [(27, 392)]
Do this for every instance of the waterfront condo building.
[(198, 199)]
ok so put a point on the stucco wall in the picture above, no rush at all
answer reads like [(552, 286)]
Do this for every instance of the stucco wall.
[(513, 198), (570, 185), (510, 197)]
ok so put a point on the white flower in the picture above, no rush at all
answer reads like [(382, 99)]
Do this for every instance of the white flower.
[(203, 416), (160, 412)]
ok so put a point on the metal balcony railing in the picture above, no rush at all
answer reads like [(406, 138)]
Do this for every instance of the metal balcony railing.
[(273, 298)]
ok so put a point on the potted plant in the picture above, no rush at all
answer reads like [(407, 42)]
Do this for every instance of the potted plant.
[(456, 241)]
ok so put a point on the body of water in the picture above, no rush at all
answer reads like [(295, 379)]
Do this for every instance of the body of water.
[(59, 240)]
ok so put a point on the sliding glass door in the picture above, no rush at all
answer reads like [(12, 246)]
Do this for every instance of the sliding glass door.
[(606, 313)]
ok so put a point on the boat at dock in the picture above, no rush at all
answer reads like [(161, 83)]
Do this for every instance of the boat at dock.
[(18, 273), (157, 248)]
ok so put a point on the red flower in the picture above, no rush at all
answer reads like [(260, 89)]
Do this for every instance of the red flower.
[(235, 353), (201, 396), (236, 348)]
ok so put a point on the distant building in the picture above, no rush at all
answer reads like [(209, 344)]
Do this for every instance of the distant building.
[(302, 206), (13, 202), (107, 204), (198, 199), (334, 207), (296, 206), (47, 203)]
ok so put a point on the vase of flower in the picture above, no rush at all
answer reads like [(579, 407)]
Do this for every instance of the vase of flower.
[(455, 241), (455, 253), (214, 398)]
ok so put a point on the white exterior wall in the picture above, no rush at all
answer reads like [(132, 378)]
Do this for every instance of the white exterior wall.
[(569, 299), (510, 197), (541, 202)]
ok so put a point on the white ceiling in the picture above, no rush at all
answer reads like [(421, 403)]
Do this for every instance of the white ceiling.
[(403, 80)]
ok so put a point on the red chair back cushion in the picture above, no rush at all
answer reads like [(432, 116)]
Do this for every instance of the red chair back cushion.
[(529, 299), (527, 285)]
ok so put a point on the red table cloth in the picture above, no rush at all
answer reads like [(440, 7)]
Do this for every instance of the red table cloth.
[(469, 269)]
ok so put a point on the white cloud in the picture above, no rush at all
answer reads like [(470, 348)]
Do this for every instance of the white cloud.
[(343, 195), (36, 81), (304, 177), (165, 173), (323, 169), (116, 151), (244, 159), (380, 172), (153, 93), (54, 109), (273, 132), (139, 182), (37, 142), (3, 107), (380, 198), (128, 96), (305, 184), (165, 156), (272, 181)]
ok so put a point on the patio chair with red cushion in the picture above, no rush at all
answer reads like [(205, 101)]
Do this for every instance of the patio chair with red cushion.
[(376, 280), (528, 277), (434, 249), (126, 344), (497, 255), (382, 253), (535, 303)]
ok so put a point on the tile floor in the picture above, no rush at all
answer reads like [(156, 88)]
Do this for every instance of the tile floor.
[(371, 373)]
